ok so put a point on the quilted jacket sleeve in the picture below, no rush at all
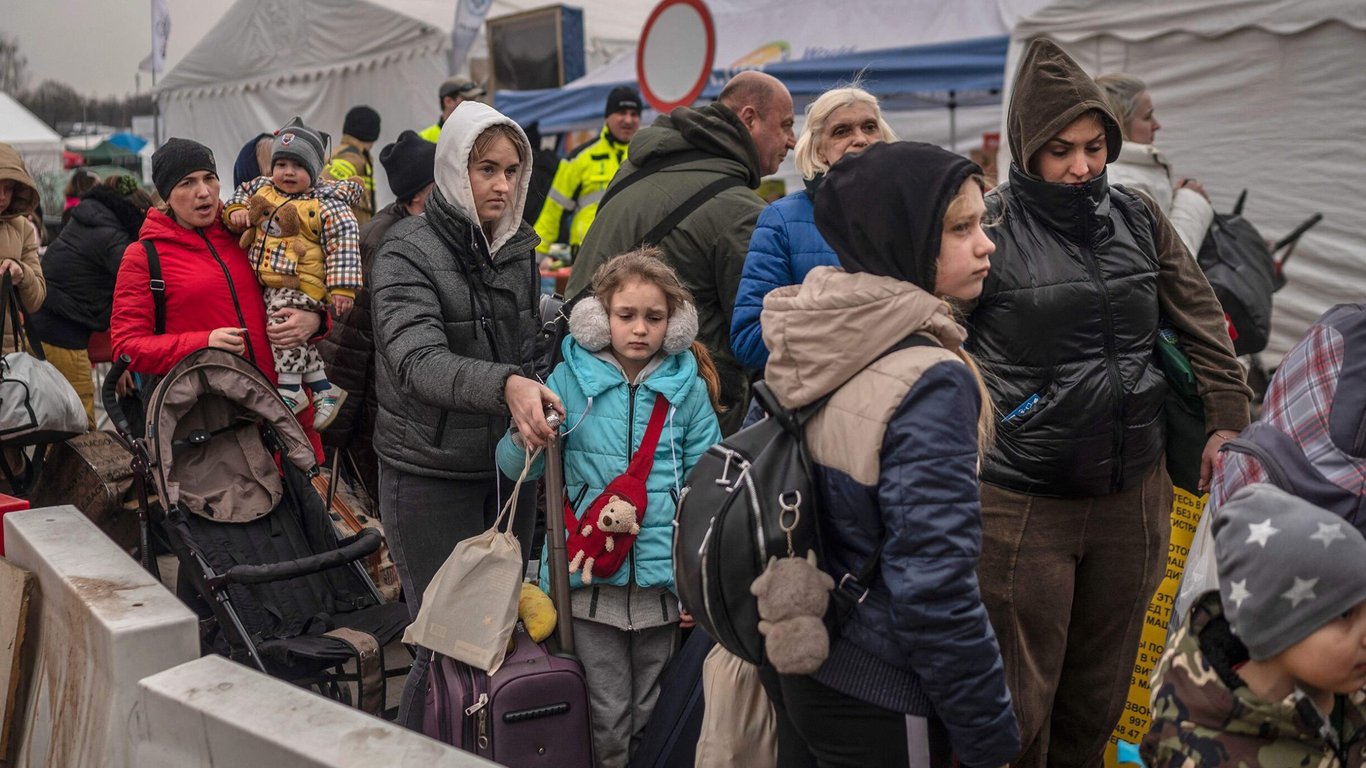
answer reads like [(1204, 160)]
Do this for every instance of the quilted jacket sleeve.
[(767, 266), (928, 496), (512, 457), (410, 335), (703, 429)]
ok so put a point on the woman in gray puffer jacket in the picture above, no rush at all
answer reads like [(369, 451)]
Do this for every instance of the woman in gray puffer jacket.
[(454, 298)]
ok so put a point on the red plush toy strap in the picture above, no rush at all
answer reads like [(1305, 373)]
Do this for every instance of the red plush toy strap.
[(644, 460)]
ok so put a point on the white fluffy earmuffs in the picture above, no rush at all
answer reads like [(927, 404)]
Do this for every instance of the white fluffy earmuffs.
[(589, 326)]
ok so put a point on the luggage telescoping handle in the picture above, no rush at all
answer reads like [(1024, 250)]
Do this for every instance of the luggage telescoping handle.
[(558, 567), (1291, 240), (110, 398)]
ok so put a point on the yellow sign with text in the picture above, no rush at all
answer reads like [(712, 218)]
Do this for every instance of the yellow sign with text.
[(1133, 724)]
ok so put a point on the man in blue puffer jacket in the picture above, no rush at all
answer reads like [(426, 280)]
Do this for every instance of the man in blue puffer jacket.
[(786, 245)]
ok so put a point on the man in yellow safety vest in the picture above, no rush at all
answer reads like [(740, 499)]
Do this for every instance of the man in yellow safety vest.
[(582, 179)]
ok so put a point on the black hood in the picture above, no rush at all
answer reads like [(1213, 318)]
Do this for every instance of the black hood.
[(103, 206), (882, 210)]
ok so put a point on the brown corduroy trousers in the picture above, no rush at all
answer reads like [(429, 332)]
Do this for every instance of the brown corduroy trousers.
[(1066, 582)]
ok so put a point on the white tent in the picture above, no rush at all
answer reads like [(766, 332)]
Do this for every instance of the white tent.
[(268, 60), (1263, 95), (38, 145)]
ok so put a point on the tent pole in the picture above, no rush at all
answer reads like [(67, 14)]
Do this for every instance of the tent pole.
[(953, 121)]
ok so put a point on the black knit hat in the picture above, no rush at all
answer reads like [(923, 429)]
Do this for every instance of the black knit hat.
[(621, 98), (301, 144), (361, 123), (410, 164), (175, 160), (882, 210)]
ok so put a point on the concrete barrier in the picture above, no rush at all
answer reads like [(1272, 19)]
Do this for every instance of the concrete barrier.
[(100, 624), (213, 712)]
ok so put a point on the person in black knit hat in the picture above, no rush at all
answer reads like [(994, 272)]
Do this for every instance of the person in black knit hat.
[(582, 179), (360, 130), (349, 351)]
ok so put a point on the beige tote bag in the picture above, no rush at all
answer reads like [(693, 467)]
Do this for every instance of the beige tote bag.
[(470, 607), (739, 726)]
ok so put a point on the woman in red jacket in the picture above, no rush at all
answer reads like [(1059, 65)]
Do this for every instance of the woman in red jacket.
[(212, 297)]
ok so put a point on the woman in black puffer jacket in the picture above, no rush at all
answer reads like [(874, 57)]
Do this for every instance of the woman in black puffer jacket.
[(81, 266)]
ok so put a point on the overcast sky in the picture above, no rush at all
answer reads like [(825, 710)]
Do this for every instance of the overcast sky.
[(95, 46)]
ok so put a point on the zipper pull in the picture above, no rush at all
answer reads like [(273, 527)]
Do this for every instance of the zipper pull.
[(483, 730), (477, 705)]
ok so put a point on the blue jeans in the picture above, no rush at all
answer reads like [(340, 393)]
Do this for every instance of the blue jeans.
[(424, 518)]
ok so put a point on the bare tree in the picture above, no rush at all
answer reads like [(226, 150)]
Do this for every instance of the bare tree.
[(13, 66)]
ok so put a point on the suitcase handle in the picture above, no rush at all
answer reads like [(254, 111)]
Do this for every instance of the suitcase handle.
[(536, 713)]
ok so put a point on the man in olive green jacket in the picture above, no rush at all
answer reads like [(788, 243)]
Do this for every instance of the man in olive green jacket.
[(745, 134)]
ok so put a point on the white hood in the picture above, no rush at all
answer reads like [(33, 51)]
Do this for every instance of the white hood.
[(452, 166)]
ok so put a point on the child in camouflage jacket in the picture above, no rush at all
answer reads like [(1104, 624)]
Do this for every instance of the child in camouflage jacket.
[(1269, 670)]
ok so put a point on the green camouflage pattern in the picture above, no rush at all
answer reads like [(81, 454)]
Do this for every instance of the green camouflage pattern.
[(1198, 720)]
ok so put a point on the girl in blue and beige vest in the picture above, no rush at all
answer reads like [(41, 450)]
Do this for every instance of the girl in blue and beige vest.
[(632, 376)]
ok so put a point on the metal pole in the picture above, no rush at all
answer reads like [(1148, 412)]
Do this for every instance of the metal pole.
[(558, 566), (156, 112), (953, 121)]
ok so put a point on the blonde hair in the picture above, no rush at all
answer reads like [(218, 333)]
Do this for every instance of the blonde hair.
[(807, 154), (647, 265), (986, 415), (1121, 94)]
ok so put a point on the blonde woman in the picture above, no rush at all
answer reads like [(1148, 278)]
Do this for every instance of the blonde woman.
[(1143, 168), (785, 245)]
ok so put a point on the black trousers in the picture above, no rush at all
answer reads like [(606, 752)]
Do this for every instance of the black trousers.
[(819, 727)]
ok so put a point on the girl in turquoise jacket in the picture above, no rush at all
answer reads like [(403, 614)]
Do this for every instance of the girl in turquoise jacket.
[(630, 344)]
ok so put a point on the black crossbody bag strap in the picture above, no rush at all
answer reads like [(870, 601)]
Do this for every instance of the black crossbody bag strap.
[(677, 215), (157, 286), (646, 170)]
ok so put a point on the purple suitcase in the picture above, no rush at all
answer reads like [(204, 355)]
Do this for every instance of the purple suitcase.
[(532, 712)]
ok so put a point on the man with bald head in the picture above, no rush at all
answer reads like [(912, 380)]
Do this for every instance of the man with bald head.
[(705, 163)]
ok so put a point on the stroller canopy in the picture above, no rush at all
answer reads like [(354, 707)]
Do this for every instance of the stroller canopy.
[(204, 435)]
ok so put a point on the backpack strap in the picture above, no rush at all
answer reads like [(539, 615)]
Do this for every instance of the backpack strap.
[(677, 215), (853, 589), (157, 286)]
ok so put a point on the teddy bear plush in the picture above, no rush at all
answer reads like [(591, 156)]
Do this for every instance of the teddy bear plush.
[(793, 594), (282, 223), (615, 518)]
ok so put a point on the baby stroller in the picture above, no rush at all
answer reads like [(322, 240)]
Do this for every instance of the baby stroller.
[(258, 555)]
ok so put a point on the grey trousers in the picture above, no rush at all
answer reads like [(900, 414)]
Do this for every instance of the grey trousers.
[(424, 518), (623, 669)]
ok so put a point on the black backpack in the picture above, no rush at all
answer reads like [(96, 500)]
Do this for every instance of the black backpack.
[(1243, 274), (740, 503)]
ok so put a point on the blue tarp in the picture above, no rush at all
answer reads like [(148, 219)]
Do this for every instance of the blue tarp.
[(129, 141), (959, 73)]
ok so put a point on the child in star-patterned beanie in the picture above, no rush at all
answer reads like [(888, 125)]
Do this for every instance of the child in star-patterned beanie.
[(1269, 671), (1286, 568)]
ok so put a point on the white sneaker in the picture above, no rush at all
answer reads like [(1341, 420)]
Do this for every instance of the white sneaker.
[(326, 404)]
